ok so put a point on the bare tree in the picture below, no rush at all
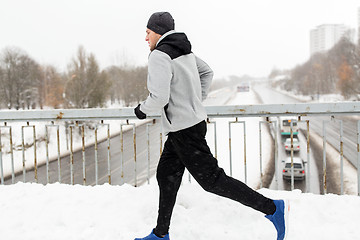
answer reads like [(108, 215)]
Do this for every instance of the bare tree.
[(274, 73), (128, 84), (139, 76), (99, 83), (19, 79), (113, 74), (9, 61), (323, 73), (2, 75), (53, 87), (85, 86), (344, 59), (346, 83)]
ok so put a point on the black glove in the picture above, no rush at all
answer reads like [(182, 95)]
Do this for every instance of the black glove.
[(139, 114)]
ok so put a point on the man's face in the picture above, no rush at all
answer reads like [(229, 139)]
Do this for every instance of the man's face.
[(152, 38)]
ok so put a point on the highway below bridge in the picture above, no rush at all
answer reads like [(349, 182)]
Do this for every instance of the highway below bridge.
[(332, 133)]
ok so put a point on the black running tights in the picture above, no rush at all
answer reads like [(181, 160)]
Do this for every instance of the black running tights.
[(188, 149)]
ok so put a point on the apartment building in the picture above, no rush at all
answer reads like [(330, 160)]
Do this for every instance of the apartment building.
[(325, 36)]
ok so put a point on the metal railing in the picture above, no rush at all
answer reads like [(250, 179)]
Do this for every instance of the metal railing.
[(74, 121)]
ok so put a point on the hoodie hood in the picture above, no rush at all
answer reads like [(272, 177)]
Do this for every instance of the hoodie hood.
[(175, 44)]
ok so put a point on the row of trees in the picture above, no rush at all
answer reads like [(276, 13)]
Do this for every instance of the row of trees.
[(334, 71), (25, 84)]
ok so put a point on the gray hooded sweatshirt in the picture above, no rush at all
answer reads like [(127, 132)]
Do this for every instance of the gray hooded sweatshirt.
[(178, 82)]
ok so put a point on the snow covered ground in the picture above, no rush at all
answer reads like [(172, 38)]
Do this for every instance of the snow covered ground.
[(58, 211)]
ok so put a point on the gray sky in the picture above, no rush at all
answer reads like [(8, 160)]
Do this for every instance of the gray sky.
[(233, 37)]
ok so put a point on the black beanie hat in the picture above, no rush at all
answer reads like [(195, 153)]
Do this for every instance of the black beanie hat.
[(161, 22)]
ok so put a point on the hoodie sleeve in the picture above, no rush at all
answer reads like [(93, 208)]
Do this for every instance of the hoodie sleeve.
[(206, 76), (158, 82)]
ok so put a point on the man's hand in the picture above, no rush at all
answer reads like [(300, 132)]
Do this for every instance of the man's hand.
[(139, 114)]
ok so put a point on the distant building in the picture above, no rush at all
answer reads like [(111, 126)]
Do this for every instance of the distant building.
[(325, 36)]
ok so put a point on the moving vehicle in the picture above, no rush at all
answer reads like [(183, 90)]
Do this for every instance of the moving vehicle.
[(285, 127), (296, 145), (243, 87), (299, 169)]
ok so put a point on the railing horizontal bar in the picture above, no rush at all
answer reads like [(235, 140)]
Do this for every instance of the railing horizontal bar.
[(67, 114), (264, 110), (301, 109)]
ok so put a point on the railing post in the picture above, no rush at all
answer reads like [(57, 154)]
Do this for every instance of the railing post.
[(122, 150), (230, 155), (83, 153), (341, 151), (230, 149), (268, 121), (135, 164), (341, 158), (11, 154), (148, 148), (358, 156), (82, 129), (276, 155), (215, 136), (1, 162), (109, 155), (308, 188), (121, 154), (47, 151), (23, 151), (260, 159), (292, 154), (58, 149), (96, 152), (324, 156), (47, 154), (96, 157), (71, 156)]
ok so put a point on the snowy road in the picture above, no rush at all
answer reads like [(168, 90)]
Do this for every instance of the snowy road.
[(333, 135), (312, 183), (116, 166)]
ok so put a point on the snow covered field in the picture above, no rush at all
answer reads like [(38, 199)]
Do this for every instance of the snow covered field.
[(58, 211)]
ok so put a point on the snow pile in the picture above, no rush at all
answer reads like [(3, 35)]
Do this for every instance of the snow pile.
[(58, 211)]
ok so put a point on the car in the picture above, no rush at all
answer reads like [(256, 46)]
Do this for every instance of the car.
[(296, 145), (299, 168), (243, 87)]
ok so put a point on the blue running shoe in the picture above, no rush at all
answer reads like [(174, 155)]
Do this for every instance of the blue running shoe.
[(280, 218), (152, 236)]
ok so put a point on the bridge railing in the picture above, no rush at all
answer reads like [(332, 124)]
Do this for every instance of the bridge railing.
[(22, 154)]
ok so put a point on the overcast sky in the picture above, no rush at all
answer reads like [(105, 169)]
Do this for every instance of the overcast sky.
[(233, 37)]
